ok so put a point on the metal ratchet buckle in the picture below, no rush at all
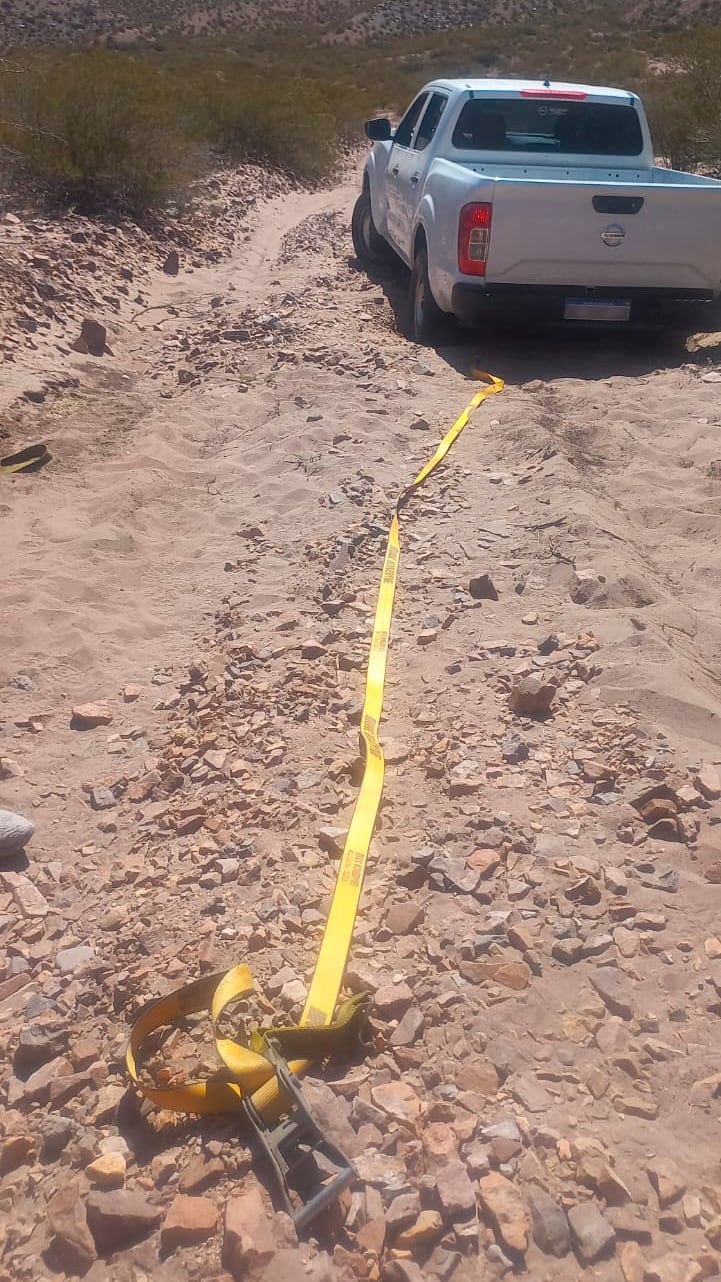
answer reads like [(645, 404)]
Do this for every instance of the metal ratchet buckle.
[(291, 1146)]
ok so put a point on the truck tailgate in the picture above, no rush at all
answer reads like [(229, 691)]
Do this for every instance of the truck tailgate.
[(606, 234)]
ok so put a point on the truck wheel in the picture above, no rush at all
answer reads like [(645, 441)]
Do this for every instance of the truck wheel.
[(369, 245), (426, 321)]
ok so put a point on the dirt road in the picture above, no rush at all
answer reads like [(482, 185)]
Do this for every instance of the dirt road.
[(541, 914)]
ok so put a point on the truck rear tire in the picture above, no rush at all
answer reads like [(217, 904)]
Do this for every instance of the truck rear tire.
[(426, 321), (369, 245)]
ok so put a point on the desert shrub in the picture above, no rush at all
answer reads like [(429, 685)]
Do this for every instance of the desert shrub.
[(95, 128)]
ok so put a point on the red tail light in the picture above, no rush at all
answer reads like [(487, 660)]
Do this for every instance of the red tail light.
[(474, 235)]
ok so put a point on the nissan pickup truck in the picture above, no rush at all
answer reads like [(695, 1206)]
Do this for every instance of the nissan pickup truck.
[(515, 198)]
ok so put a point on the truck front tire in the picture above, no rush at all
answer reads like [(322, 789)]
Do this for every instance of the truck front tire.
[(369, 245), (426, 321)]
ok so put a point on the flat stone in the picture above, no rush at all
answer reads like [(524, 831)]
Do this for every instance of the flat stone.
[(675, 1268), (120, 1218), (506, 1210), (613, 993), (632, 1262), (478, 1075), (189, 1220), (637, 1106), (72, 1242), (550, 1226), (391, 1001), (708, 783), (333, 1115), (408, 1029), (455, 1191), (68, 960), (87, 716), (402, 1212), (403, 919), (248, 1241), (398, 1100), (15, 833), (201, 1173), (667, 1182), (484, 861), (593, 1236), (28, 898)]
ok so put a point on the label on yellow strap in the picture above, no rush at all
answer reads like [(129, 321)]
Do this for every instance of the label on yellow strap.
[(245, 1072)]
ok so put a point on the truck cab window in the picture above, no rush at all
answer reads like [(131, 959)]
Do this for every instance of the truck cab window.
[(430, 121), (404, 132)]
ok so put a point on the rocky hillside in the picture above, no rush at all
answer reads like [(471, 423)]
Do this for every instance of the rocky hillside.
[(43, 21)]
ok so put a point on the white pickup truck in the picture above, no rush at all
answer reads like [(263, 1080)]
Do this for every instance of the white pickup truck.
[(511, 198)]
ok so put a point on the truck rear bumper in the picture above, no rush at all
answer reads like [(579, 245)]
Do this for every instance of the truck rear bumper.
[(546, 304)]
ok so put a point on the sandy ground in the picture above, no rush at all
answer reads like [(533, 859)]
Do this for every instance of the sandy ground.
[(216, 501)]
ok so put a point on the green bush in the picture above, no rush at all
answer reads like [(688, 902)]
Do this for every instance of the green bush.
[(95, 127)]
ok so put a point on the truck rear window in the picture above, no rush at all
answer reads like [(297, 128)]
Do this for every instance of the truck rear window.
[(564, 127)]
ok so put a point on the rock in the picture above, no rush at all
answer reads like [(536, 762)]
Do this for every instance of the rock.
[(398, 1100), (403, 919), (584, 585), (637, 1106), (248, 1241), (332, 1114), (667, 1182), (93, 338), (15, 833), (550, 1226), (120, 1218), (708, 783), (676, 1268), (107, 1171), (511, 974), (479, 1075), (632, 1262), (593, 1236), (201, 1173), (27, 897), (68, 960), (87, 716), (484, 861), (403, 1211), (391, 1001), (658, 808), (72, 1241), (455, 1191), (531, 697), (427, 1229), (506, 1211), (102, 799), (408, 1029), (482, 588), (171, 266), (189, 1220), (14, 1151), (613, 993), (514, 748)]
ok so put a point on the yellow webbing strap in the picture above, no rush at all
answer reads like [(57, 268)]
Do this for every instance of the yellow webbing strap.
[(246, 1072), (28, 460)]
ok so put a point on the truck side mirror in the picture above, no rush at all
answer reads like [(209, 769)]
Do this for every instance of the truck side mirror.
[(379, 130)]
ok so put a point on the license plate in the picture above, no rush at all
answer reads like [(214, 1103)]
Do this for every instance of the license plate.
[(597, 309)]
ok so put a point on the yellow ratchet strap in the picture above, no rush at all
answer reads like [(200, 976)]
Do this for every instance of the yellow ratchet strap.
[(248, 1074), (28, 460)]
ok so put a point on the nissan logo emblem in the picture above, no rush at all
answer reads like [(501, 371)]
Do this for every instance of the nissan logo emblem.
[(613, 236)]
